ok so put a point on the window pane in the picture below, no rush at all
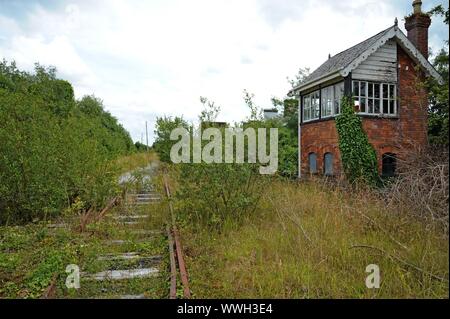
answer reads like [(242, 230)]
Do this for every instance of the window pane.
[(370, 88), (331, 99), (376, 89), (362, 105), (355, 88), (341, 88), (306, 101), (391, 91), (327, 101), (376, 107), (370, 105), (316, 109), (324, 101), (362, 90), (392, 107), (385, 91), (386, 106), (338, 93)]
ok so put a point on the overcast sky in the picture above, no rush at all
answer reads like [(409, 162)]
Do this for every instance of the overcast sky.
[(150, 58)]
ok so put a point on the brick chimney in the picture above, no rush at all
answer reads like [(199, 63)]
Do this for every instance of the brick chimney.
[(417, 25)]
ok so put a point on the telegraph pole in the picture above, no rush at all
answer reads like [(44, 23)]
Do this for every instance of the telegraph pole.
[(146, 134)]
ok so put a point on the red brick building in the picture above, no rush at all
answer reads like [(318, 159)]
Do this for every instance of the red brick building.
[(385, 75)]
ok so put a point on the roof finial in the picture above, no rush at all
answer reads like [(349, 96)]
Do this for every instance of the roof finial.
[(396, 22), (329, 56), (417, 5)]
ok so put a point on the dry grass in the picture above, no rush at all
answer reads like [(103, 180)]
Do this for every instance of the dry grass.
[(422, 187), (301, 244)]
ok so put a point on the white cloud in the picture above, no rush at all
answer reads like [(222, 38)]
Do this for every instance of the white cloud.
[(152, 58)]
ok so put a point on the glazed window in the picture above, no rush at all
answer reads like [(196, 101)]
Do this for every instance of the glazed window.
[(327, 101), (311, 105), (375, 98), (324, 103), (338, 94)]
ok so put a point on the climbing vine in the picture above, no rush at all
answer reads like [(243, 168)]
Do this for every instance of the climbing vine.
[(359, 159)]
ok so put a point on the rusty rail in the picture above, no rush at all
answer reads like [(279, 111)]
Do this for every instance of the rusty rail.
[(178, 246), (173, 266), (50, 292)]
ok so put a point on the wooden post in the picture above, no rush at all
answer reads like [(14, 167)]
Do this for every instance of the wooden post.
[(146, 134)]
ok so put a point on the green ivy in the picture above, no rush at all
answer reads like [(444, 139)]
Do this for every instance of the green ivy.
[(358, 156)]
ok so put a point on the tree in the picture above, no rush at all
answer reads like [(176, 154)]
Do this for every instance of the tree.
[(300, 77), (438, 94), (164, 126), (255, 111), (210, 110)]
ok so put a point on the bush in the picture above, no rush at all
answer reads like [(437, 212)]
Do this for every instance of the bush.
[(164, 126), (421, 187), (212, 194), (55, 150)]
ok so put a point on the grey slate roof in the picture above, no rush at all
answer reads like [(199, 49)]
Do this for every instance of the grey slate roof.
[(343, 59)]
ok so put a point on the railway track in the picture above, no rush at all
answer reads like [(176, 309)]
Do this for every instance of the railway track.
[(141, 252), (131, 266)]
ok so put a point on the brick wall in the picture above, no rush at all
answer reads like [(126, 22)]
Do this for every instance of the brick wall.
[(320, 138), (417, 26), (399, 135)]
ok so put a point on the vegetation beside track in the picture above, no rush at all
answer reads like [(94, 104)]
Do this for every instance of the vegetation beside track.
[(309, 240), (57, 152)]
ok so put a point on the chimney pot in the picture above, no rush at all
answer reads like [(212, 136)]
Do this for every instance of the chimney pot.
[(417, 25), (417, 5)]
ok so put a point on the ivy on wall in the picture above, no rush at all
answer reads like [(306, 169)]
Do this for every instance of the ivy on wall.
[(359, 159)]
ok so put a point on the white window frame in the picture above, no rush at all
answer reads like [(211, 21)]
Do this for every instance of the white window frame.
[(312, 112), (335, 99), (338, 99), (391, 98), (312, 107), (327, 101)]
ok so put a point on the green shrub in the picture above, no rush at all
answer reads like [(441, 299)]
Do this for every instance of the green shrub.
[(163, 144), (212, 194), (53, 148)]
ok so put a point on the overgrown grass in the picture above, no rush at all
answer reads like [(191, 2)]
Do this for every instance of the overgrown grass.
[(305, 241), (31, 255)]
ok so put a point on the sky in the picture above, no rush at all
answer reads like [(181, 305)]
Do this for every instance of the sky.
[(152, 58)]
